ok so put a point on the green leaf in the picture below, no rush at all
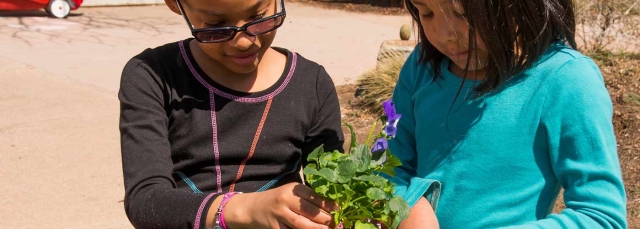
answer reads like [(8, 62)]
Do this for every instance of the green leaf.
[(361, 225), (332, 165), (325, 158), (338, 156), (348, 191), (376, 194), (389, 187), (360, 186), (376, 158), (361, 155), (372, 178), (387, 209), (322, 190), (311, 175), (353, 136), (389, 171), (310, 170), (345, 171), (396, 222), (385, 218), (392, 162), (335, 196), (328, 174), (398, 205), (313, 156), (318, 182)]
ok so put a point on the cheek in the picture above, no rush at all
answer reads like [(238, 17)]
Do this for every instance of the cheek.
[(481, 48), (265, 40), (429, 31), (213, 50), (462, 29)]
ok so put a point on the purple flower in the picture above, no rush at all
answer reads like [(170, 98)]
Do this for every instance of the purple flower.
[(379, 148), (380, 145), (391, 127), (389, 108), (340, 226)]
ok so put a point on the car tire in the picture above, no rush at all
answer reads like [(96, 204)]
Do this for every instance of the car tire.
[(58, 8)]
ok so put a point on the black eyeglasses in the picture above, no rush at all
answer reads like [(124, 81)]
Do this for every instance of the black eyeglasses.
[(222, 34)]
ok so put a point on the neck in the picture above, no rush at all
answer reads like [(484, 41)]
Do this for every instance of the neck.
[(268, 72), (478, 74)]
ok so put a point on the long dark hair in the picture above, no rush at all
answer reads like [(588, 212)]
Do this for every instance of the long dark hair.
[(516, 34)]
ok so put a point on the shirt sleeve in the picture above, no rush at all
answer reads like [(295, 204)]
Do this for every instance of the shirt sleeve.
[(407, 184), (577, 118), (326, 127), (151, 198)]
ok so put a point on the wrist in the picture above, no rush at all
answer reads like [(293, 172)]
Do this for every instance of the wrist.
[(211, 213), (235, 214)]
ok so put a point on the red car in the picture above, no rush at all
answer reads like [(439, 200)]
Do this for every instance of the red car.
[(56, 8)]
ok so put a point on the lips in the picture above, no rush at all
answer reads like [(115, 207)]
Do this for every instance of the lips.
[(244, 59), (459, 55)]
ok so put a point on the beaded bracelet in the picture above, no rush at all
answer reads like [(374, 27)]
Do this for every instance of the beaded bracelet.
[(220, 224)]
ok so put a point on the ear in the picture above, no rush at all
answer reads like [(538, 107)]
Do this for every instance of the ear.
[(173, 5)]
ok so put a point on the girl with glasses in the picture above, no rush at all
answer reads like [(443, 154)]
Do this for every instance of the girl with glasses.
[(215, 128)]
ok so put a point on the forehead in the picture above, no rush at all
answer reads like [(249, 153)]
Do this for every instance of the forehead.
[(226, 7), (434, 3)]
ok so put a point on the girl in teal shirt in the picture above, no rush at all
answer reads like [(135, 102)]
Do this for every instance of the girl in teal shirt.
[(499, 113)]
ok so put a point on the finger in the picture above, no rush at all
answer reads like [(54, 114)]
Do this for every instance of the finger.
[(310, 211), (308, 194), (282, 225), (295, 221)]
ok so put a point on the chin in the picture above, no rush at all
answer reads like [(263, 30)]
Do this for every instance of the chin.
[(242, 69)]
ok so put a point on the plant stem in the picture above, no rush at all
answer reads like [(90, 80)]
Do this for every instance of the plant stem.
[(359, 198), (349, 212), (368, 142)]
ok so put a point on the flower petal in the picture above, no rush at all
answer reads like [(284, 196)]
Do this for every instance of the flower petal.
[(389, 108), (391, 130), (380, 145)]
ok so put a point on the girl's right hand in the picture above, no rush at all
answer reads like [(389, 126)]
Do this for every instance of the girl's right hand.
[(421, 216), (290, 206)]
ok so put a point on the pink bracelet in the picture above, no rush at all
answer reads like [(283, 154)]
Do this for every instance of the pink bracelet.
[(225, 200)]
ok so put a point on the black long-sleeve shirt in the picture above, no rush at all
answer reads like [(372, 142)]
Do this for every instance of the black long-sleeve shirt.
[(175, 121)]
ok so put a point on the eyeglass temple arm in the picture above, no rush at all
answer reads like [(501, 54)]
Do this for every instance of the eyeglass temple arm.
[(184, 15)]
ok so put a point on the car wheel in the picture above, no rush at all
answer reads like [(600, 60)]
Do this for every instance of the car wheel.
[(58, 8)]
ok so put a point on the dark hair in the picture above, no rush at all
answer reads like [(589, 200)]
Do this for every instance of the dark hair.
[(516, 34)]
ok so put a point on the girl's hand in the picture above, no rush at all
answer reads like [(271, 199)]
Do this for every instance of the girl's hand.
[(421, 216), (290, 206)]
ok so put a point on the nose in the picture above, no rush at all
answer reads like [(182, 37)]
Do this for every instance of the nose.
[(242, 41), (444, 30)]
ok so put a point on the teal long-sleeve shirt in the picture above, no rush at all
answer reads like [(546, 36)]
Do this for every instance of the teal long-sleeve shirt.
[(499, 160)]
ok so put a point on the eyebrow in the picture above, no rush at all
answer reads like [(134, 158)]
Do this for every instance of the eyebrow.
[(214, 13)]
